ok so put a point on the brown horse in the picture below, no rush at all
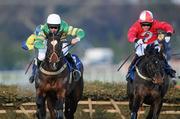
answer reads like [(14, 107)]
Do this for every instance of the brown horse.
[(55, 83), (150, 84)]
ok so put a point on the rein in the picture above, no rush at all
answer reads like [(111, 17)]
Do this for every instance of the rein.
[(142, 76)]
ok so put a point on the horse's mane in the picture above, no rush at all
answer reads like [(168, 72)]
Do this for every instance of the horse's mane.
[(151, 62)]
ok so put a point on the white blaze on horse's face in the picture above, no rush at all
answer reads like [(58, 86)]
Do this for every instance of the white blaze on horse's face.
[(54, 42), (54, 57)]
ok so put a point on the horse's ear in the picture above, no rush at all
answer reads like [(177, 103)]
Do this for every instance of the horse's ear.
[(148, 50), (59, 34), (46, 34), (161, 54)]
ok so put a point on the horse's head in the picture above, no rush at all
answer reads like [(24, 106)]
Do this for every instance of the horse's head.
[(54, 52), (54, 48), (151, 65)]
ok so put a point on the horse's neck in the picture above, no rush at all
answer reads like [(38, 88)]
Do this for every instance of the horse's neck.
[(142, 67)]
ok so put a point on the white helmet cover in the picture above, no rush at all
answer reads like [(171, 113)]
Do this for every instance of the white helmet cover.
[(54, 19)]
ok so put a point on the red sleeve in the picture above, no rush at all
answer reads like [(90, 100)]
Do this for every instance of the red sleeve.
[(164, 26), (133, 32)]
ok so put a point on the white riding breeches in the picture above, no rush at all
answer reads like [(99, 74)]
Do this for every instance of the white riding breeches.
[(42, 52), (140, 49), (65, 50)]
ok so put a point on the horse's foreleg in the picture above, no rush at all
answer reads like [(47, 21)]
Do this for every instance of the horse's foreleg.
[(59, 105), (59, 109), (136, 104), (73, 98), (41, 108), (70, 108), (130, 94), (155, 110), (51, 107)]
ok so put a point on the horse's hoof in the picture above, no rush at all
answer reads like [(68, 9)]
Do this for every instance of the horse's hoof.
[(59, 114)]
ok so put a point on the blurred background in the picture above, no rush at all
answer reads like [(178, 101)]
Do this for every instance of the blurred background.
[(105, 22)]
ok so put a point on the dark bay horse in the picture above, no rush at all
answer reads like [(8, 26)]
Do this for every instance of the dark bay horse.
[(150, 84), (55, 84)]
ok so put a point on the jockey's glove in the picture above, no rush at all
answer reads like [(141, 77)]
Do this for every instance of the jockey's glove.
[(168, 37), (139, 41), (140, 47), (39, 45), (75, 40), (158, 48)]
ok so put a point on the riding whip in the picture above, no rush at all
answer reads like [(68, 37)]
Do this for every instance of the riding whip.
[(125, 61), (133, 53), (66, 46), (29, 65)]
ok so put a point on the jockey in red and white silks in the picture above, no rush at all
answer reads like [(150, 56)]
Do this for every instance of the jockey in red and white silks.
[(145, 31), (146, 28)]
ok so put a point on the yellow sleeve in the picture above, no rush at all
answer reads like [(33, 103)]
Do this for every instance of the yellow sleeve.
[(76, 32), (30, 41)]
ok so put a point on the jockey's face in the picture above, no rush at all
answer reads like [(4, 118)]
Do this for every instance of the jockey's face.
[(53, 28), (146, 26)]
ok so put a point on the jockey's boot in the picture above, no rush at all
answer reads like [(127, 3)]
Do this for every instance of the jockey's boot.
[(171, 72), (76, 73), (131, 67), (31, 79), (35, 66)]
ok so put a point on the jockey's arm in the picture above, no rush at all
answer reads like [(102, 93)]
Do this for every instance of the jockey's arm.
[(70, 30), (168, 28), (76, 32), (29, 44), (133, 33)]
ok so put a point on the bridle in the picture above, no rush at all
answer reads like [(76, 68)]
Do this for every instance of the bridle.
[(54, 59), (54, 54)]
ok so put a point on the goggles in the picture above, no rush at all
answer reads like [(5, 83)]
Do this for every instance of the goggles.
[(52, 26), (146, 24)]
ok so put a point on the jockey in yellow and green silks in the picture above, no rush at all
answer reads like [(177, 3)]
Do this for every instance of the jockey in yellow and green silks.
[(54, 25)]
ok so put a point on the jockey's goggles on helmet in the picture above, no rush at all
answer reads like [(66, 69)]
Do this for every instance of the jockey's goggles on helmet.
[(53, 26), (146, 24)]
